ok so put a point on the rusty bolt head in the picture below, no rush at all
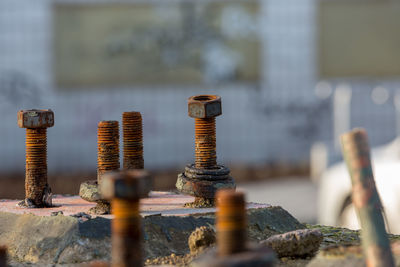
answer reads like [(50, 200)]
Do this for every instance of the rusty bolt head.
[(35, 118), (127, 184), (204, 106)]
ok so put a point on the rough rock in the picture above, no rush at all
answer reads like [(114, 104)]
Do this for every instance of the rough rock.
[(102, 207), (200, 239), (89, 191), (300, 243), (68, 240)]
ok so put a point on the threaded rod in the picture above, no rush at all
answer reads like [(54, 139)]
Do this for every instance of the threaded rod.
[(133, 140), (205, 143), (36, 164), (107, 147)]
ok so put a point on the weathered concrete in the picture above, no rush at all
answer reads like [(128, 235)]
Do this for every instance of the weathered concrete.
[(43, 239), (163, 203), (348, 256), (299, 243)]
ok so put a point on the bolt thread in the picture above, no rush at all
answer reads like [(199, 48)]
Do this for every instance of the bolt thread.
[(36, 164), (3, 256), (205, 143), (126, 233), (230, 222), (133, 140), (107, 147)]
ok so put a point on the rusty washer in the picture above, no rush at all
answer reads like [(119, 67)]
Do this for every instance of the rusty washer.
[(203, 178), (232, 247), (37, 191), (124, 189)]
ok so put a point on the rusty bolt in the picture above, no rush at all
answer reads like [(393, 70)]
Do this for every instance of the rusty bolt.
[(107, 148), (107, 160), (232, 247), (124, 189), (36, 122), (3, 256), (133, 140), (204, 109), (203, 178), (366, 199)]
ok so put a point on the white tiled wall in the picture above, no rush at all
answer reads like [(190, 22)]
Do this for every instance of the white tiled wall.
[(258, 125)]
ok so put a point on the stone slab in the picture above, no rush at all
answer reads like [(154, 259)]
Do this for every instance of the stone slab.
[(162, 203), (33, 236)]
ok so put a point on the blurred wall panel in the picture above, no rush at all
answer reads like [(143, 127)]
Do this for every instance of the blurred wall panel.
[(359, 38), (164, 42)]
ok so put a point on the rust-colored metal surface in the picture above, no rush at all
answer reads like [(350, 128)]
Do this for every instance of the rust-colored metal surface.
[(36, 165), (107, 147), (205, 143), (230, 222), (3, 256), (366, 199), (132, 140), (36, 122), (124, 189)]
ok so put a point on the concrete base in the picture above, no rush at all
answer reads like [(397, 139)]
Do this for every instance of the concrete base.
[(158, 203), (34, 236)]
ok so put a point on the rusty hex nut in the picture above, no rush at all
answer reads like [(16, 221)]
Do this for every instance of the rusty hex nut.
[(127, 184), (204, 106), (35, 118)]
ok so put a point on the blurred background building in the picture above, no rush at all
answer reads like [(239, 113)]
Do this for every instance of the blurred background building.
[(291, 74)]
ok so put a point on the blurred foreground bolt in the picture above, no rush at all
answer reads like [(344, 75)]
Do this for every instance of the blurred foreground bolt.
[(107, 160), (3, 256), (203, 178), (231, 222), (366, 200), (37, 191), (232, 247), (125, 189), (133, 140)]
